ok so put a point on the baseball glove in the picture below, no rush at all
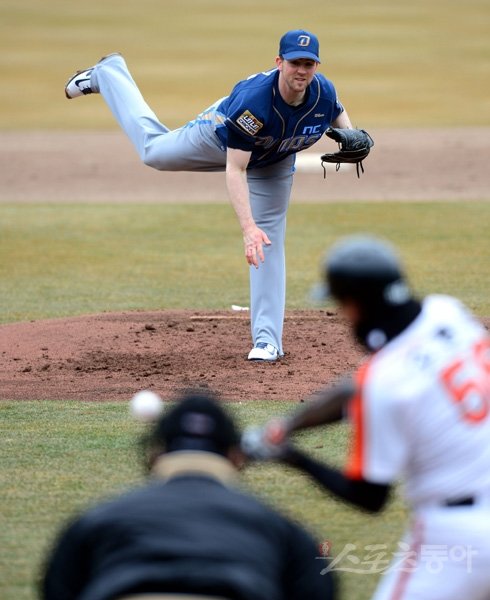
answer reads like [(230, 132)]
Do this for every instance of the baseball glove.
[(354, 146)]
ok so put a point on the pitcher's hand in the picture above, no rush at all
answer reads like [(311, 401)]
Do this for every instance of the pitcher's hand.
[(253, 240)]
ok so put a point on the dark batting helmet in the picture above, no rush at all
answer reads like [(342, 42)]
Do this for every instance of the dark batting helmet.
[(367, 270)]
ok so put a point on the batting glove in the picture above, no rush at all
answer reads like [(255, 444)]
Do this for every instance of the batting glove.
[(256, 445)]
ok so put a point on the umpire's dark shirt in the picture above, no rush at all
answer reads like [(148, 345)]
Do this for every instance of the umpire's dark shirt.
[(191, 532)]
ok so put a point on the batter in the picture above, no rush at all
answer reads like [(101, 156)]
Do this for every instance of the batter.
[(253, 134), (419, 408)]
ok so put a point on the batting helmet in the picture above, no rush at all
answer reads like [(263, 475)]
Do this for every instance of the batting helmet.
[(367, 270)]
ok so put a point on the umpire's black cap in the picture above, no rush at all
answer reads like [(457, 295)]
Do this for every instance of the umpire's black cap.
[(196, 422), (365, 269)]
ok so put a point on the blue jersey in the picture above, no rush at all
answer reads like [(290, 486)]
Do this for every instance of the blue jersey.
[(255, 118)]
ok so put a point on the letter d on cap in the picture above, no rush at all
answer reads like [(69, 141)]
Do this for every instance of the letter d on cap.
[(304, 40)]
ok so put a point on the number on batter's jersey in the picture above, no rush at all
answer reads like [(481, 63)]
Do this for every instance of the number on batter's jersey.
[(468, 382)]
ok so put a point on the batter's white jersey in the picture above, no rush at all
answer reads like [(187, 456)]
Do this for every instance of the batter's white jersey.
[(424, 410), (423, 415)]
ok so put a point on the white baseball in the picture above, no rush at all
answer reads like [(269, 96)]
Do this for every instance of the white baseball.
[(146, 406)]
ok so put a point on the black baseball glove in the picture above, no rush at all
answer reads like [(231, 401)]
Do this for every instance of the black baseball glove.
[(354, 146)]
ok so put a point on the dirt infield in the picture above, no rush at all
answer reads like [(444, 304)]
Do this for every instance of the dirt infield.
[(109, 357), (405, 164)]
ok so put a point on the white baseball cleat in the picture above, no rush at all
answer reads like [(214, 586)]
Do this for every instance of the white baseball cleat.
[(263, 351), (80, 83)]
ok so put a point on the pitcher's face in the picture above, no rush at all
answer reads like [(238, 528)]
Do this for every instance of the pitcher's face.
[(296, 74)]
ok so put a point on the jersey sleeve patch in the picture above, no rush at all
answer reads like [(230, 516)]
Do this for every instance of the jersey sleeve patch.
[(249, 123)]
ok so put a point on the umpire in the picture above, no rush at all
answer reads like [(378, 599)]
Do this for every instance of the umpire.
[(189, 533)]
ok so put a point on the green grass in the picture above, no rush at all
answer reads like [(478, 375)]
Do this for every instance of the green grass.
[(59, 457), (394, 64), (61, 260)]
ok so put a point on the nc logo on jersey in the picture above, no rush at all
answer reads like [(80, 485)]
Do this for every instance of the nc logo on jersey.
[(311, 129), (304, 40), (249, 123)]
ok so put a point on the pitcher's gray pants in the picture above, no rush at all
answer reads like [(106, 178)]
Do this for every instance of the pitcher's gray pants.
[(196, 147)]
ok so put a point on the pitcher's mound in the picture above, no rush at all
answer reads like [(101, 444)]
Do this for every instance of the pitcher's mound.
[(111, 356)]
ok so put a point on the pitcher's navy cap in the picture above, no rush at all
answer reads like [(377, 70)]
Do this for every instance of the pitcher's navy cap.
[(299, 44)]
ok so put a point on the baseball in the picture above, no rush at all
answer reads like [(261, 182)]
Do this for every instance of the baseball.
[(146, 406)]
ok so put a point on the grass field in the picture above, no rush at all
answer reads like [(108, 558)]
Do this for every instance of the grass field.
[(394, 64), (62, 260), (72, 259), (59, 457)]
